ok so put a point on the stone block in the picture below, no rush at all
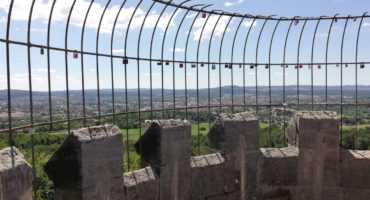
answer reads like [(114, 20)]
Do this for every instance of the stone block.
[(141, 184), (88, 164), (166, 146), (355, 169), (231, 132), (278, 167), (356, 194), (165, 142), (15, 175), (310, 129), (207, 177)]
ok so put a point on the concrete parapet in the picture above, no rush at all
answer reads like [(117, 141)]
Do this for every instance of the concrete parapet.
[(88, 165), (313, 167), (207, 178), (15, 175), (166, 146), (141, 184), (236, 136)]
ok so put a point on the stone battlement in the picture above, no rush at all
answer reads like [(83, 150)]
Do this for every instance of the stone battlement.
[(89, 164)]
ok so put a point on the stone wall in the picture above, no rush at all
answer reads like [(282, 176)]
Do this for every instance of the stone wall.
[(88, 165), (15, 175)]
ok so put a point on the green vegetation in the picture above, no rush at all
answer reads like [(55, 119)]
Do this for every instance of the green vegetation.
[(46, 143)]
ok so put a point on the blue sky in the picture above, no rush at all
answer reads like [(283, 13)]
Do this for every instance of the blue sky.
[(289, 8)]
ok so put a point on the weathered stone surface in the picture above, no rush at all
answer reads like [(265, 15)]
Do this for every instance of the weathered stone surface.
[(142, 184), (355, 169), (88, 164), (166, 146), (231, 130), (207, 178), (236, 136), (15, 175), (317, 137), (278, 167), (165, 140)]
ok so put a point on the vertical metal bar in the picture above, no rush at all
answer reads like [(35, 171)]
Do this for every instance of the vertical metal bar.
[(66, 63), (312, 56), (197, 68), (151, 50), (138, 71), (284, 79), (298, 58), (270, 93), (341, 80), (256, 67), (111, 60), (186, 53), (209, 59), (173, 68), (356, 74), (173, 55), (232, 61), (82, 64), (126, 91), (245, 57), (97, 59), (48, 61), (326, 61), (220, 57), (31, 98), (11, 142)]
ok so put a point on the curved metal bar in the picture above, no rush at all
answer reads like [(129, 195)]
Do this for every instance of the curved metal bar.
[(284, 68), (256, 67), (173, 56), (220, 53), (270, 93), (97, 57), (244, 58), (209, 75), (31, 98), (326, 61), (312, 55), (111, 59), (138, 71), (197, 61), (341, 81), (82, 63), (11, 142), (232, 61), (248, 15), (298, 58), (48, 63), (66, 62), (151, 50), (29, 61), (186, 53), (356, 73), (126, 91), (173, 68)]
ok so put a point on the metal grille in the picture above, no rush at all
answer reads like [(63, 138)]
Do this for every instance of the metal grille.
[(235, 60)]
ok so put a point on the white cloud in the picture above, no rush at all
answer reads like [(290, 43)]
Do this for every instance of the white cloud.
[(153, 74), (42, 9), (220, 28), (233, 3), (322, 35), (367, 24), (178, 49), (43, 70), (249, 23), (118, 51)]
